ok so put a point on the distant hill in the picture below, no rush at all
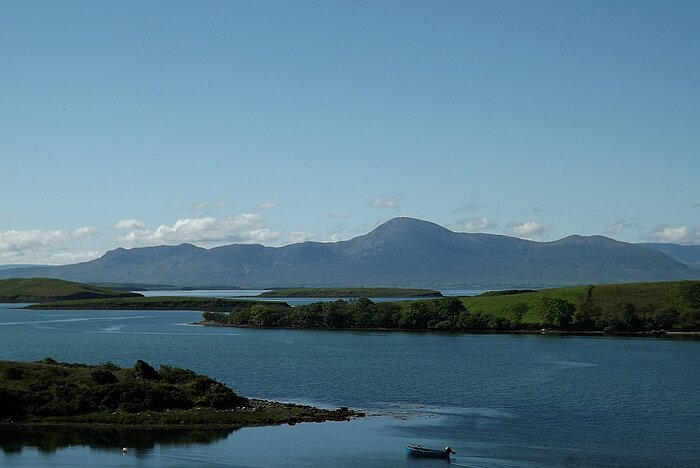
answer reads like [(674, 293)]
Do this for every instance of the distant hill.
[(687, 254), (352, 292), (48, 289), (402, 252), (16, 266)]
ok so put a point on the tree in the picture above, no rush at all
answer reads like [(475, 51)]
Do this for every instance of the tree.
[(516, 312), (665, 317), (555, 312), (414, 316), (144, 371), (629, 320), (263, 316)]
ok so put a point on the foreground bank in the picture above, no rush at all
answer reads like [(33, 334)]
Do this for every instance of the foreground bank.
[(49, 393)]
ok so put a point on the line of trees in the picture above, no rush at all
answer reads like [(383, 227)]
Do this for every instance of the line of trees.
[(436, 314)]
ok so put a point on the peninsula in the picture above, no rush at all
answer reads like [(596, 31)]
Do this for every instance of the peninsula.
[(50, 393), (618, 308)]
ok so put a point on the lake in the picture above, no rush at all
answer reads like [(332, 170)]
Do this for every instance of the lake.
[(497, 400)]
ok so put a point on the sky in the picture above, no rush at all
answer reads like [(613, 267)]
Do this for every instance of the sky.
[(137, 123)]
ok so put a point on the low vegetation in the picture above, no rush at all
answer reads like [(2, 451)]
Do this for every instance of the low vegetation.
[(352, 292), (49, 392), (638, 307), (159, 303), (49, 289)]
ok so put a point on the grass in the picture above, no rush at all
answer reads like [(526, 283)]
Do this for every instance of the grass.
[(49, 289), (497, 305)]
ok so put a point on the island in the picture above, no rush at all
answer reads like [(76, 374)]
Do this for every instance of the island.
[(347, 292), (50, 393)]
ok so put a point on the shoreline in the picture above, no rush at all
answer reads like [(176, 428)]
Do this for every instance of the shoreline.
[(205, 323), (260, 413)]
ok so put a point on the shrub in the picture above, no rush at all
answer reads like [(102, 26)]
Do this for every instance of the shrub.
[(143, 370)]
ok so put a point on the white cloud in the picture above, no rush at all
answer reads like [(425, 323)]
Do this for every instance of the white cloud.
[(268, 205), (475, 224), (676, 235), (85, 231), (208, 230), (620, 225), (43, 246), (14, 243), (616, 227), (205, 207), (527, 229), (129, 224), (386, 203), (339, 215)]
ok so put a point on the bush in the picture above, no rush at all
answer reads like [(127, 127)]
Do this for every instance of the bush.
[(143, 370), (13, 373), (103, 377), (176, 375)]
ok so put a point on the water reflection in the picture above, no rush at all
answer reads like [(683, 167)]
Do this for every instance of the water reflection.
[(51, 439)]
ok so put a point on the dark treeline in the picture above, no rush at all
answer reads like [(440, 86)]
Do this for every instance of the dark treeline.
[(436, 314), (679, 311)]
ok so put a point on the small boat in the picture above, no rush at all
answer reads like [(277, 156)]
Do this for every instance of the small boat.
[(418, 451)]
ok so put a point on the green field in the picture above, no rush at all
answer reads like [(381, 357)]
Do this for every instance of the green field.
[(632, 306), (48, 289), (351, 292), (501, 305)]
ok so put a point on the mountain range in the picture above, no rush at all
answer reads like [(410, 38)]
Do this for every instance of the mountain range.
[(403, 252)]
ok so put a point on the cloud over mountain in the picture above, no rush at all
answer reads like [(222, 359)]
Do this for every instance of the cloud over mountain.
[(243, 228), (675, 234), (527, 229)]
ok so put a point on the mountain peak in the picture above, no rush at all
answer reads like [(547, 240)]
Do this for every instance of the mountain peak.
[(404, 225)]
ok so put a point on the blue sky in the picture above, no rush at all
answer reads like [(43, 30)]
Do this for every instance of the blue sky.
[(145, 123)]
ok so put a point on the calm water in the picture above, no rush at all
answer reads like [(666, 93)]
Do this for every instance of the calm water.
[(293, 301), (497, 400)]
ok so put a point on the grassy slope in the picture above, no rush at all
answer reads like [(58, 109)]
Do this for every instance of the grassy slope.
[(646, 297), (48, 289), (497, 305), (158, 303), (352, 292)]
